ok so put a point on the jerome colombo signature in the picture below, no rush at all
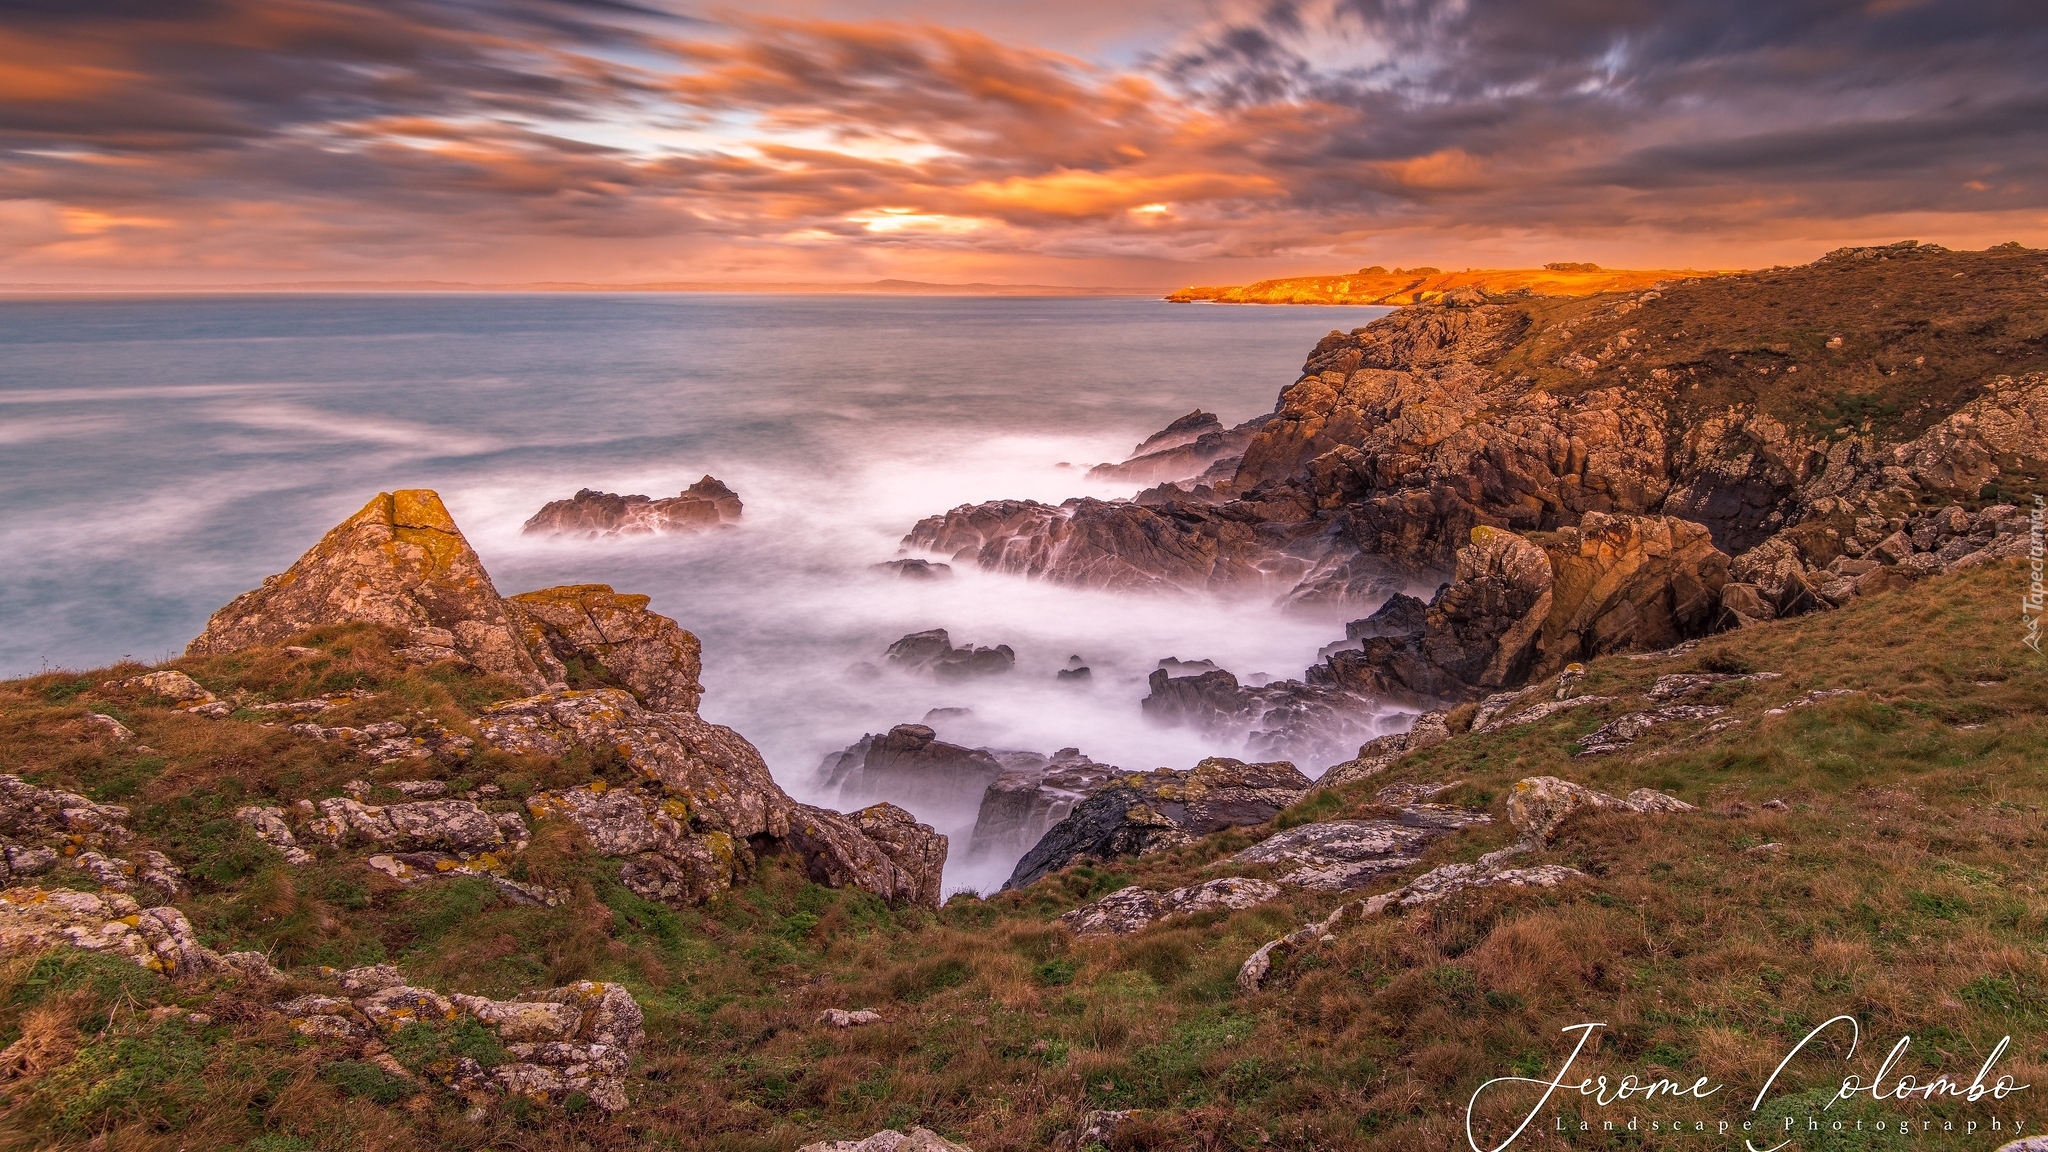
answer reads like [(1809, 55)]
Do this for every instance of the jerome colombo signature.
[(1882, 1086)]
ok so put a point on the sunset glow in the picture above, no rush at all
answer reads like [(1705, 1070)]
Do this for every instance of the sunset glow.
[(1155, 145)]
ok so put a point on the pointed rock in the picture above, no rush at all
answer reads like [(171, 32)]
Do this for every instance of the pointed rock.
[(401, 563)]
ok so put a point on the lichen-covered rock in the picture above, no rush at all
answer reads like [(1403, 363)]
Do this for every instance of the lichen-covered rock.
[(457, 826), (890, 1140), (642, 651), (711, 769), (400, 563), (666, 860), (841, 1018), (1539, 804), (592, 514), (160, 939), (1621, 732), (1129, 909)]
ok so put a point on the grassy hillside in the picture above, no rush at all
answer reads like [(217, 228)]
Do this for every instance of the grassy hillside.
[(1878, 853)]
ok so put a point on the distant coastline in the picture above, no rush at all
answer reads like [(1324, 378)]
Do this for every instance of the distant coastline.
[(790, 288), (1424, 285)]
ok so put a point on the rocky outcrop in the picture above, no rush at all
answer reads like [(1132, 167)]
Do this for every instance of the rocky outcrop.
[(592, 514), (159, 939), (576, 1040), (400, 563), (713, 787), (911, 764), (1129, 909), (1383, 752), (1148, 812), (613, 638), (43, 829), (932, 652)]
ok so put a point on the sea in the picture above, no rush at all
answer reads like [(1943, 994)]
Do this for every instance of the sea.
[(160, 455)]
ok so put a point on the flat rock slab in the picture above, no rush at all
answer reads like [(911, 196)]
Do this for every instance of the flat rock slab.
[(1337, 855)]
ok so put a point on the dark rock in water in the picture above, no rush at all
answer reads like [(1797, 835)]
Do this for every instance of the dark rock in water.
[(1184, 450), (1212, 702), (1175, 666), (911, 766), (917, 569), (1140, 813), (933, 652), (1028, 798), (1074, 674), (1314, 722), (706, 504), (937, 714)]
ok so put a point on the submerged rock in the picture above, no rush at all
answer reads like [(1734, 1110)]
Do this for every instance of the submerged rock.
[(592, 514), (399, 563)]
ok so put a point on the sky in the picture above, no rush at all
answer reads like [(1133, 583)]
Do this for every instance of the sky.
[(1141, 143)]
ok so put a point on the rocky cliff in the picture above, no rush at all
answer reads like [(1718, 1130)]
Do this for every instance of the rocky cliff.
[(1399, 286), (1583, 475)]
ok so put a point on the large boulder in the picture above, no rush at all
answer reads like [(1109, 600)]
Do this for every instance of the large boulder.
[(616, 637), (706, 504), (1628, 582), (880, 848), (400, 563)]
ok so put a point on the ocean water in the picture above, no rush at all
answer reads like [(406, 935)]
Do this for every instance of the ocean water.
[(159, 456)]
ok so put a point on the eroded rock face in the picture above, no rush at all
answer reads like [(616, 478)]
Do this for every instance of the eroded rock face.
[(592, 514), (1148, 812), (1196, 447), (400, 563), (642, 651)]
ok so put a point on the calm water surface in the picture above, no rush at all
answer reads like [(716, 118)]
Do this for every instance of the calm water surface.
[(159, 456)]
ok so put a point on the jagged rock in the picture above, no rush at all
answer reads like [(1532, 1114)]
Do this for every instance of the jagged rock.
[(1539, 804), (1142, 813), (160, 939), (1028, 798), (592, 514), (880, 848), (1628, 582), (1337, 855), (400, 563), (1185, 450), (40, 825), (933, 652), (841, 1018), (589, 624), (890, 1140), (1129, 909)]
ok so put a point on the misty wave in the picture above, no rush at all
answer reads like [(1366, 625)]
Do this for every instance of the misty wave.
[(160, 485)]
